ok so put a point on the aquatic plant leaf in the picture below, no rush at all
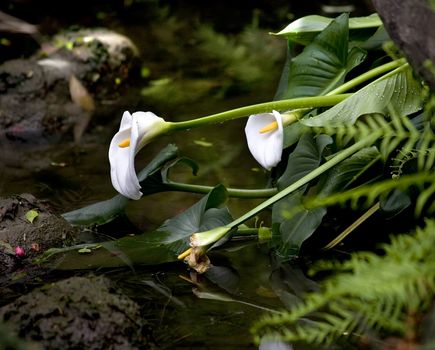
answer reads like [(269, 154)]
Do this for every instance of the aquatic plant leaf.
[(127, 251), (293, 132), (151, 248), (324, 63), (292, 225), (202, 216), (289, 232), (305, 158), (377, 40), (224, 297), (397, 90), (304, 29), (84, 250), (105, 211), (211, 295), (345, 173), (293, 232)]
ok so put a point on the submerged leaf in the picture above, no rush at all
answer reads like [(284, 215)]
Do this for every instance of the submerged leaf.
[(203, 143), (156, 247), (84, 250)]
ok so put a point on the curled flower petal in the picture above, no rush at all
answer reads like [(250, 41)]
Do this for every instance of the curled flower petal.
[(140, 128), (266, 147)]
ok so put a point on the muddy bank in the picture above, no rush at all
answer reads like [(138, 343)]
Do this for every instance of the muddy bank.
[(78, 313), (28, 228)]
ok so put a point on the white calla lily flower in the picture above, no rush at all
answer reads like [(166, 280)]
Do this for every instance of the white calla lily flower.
[(135, 131), (265, 143)]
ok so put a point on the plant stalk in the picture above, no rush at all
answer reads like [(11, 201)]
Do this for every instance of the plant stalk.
[(307, 178), (302, 102), (367, 76), (232, 192)]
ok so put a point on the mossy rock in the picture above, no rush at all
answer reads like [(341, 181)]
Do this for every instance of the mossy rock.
[(78, 313)]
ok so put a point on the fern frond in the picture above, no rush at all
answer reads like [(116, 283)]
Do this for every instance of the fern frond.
[(366, 195), (398, 132), (370, 292)]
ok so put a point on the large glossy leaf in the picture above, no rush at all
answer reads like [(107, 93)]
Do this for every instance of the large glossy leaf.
[(346, 172), (105, 211), (156, 247), (305, 158), (291, 231), (323, 64), (304, 29), (202, 216), (293, 132), (397, 89)]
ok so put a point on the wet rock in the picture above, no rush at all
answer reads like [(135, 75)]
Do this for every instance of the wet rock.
[(37, 102), (10, 342), (78, 313), (23, 238)]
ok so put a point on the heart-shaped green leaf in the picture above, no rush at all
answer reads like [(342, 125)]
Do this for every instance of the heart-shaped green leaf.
[(324, 63), (305, 158), (289, 236), (290, 231), (340, 176), (156, 247)]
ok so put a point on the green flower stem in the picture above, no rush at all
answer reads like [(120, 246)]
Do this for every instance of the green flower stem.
[(246, 231), (307, 178), (367, 76), (232, 192), (303, 102)]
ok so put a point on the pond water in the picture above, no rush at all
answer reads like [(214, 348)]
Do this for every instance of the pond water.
[(188, 311)]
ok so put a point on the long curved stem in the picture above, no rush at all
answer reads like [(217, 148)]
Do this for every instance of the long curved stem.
[(367, 76), (302, 102), (307, 178), (232, 192)]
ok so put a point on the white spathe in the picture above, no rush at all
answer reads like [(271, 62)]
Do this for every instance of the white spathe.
[(140, 128), (266, 147)]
